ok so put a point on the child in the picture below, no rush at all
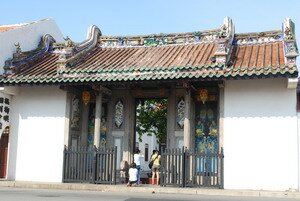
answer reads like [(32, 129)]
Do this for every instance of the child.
[(133, 175)]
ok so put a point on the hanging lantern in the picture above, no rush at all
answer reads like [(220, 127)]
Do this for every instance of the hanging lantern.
[(203, 95), (86, 97)]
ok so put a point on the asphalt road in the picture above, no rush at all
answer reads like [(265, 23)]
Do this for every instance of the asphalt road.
[(17, 194)]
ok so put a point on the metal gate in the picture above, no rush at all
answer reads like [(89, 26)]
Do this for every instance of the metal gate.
[(189, 168), (90, 165)]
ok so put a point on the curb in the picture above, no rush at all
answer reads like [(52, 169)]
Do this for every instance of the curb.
[(149, 189)]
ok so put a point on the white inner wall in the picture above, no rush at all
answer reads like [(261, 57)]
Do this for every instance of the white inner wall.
[(152, 145), (260, 135), (37, 134)]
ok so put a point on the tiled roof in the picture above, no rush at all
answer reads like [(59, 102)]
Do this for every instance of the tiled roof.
[(258, 55), (154, 63), (146, 58), (7, 27), (202, 55)]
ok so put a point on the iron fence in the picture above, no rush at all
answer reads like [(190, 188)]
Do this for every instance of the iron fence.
[(89, 165), (190, 168)]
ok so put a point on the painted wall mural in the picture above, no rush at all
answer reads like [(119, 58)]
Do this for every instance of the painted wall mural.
[(103, 126), (91, 128), (206, 131), (103, 132), (206, 134)]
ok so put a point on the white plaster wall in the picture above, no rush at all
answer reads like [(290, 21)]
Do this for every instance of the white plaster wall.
[(28, 36), (260, 135), (37, 134), (152, 144), (298, 141)]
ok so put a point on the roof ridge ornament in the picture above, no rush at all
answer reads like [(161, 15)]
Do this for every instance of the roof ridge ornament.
[(224, 47), (71, 53), (18, 47), (27, 58), (290, 45), (69, 42)]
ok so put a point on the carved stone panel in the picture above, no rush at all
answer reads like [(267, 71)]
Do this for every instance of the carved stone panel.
[(180, 113), (119, 113), (75, 113)]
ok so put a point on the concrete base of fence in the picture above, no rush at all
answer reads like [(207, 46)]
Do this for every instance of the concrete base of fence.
[(144, 188)]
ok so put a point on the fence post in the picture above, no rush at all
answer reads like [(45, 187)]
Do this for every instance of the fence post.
[(183, 166), (162, 167), (64, 164), (115, 165), (222, 168), (94, 165)]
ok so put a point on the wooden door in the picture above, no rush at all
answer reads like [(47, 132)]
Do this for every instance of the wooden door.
[(3, 155)]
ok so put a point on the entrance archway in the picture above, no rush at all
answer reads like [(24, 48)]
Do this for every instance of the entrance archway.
[(150, 126), (4, 152)]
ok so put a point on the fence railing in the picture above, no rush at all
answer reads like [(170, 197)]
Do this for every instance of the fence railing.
[(89, 165), (172, 167), (179, 167), (190, 168)]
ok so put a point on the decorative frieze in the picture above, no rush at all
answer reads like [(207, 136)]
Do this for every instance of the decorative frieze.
[(258, 38), (159, 39)]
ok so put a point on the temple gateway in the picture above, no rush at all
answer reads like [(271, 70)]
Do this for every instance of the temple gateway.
[(230, 100)]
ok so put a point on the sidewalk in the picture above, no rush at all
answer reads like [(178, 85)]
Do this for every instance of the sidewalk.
[(144, 188)]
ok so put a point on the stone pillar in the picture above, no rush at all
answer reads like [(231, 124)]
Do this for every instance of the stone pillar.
[(67, 119), (98, 119), (171, 118), (187, 119), (192, 123), (221, 115), (129, 143)]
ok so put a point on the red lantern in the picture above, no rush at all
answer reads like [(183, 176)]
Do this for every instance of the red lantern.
[(86, 97), (203, 95)]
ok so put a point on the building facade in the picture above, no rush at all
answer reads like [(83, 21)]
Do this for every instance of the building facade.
[(224, 90), (24, 37)]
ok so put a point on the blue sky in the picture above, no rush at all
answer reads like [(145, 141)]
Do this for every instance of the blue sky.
[(136, 17)]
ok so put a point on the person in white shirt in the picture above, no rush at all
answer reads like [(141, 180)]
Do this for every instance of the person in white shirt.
[(137, 158), (133, 173)]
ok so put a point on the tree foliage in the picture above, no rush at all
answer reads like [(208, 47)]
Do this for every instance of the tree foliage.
[(151, 118)]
